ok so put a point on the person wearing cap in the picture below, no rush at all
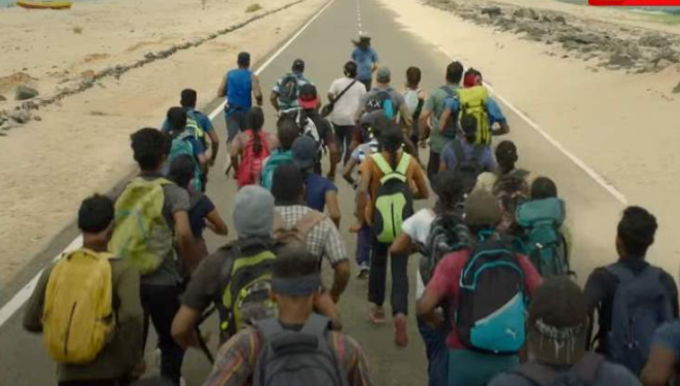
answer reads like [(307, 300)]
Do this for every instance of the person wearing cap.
[(239, 87), (323, 240), (557, 334), (384, 79), (345, 96), (286, 91), (467, 367), (296, 285), (366, 59), (473, 78), (315, 126), (321, 193), (465, 150), (253, 221)]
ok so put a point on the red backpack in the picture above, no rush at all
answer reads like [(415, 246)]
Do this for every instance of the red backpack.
[(251, 164)]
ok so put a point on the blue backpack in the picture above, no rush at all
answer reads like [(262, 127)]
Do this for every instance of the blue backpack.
[(641, 305), (491, 310), (544, 244), (275, 160), (182, 146)]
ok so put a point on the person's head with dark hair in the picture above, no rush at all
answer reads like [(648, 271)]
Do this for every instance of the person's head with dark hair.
[(188, 98), (635, 233), (543, 187), (155, 381), (243, 60), (449, 188), (364, 42), (482, 210), (287, 131), (288, 185), (472, 78), (350, 69), (391, 138), (506, 156), (298, 66), (177, 119), (182, 171), (151, 148), (558, 322), (296, 283), (95, 221), (413, 77), (454, 73), (468, 124), (255, 122)]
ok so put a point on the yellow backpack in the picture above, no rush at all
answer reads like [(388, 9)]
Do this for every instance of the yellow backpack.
[(78, 317), (473, 102)]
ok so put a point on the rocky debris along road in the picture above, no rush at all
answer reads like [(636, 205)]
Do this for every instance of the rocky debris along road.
[(611, 46)]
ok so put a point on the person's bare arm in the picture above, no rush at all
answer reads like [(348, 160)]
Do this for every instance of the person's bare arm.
[(274, 99), (426, 306), (214, 146), (216, 224), (503, 129), (257, 91), (185, 240), (405, 115), (349, 169), (442, 165), (340, 279), (423, 192), (184, 327), (235, 152), (402, 245), (222, 91), (446, 114), (660, 368), (334, 212), (424, 124), (203, 161), (334, 158), (331, 97), (362, 196)]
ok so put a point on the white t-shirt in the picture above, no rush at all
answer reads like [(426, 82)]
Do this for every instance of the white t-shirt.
[(346, 107), (417, 227)]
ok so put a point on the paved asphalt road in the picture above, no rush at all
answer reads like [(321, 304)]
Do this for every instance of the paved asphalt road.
[(326, 46)]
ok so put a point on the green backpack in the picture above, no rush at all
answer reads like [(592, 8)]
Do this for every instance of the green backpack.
[(394, 201), (544, 244), (141, 234), (182, 146)]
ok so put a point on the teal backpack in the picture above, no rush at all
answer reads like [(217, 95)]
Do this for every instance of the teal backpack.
[(543, 241), (277, 159), (394, 201), (182, 146)]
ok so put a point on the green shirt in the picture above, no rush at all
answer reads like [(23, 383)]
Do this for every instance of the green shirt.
[(436, 104)]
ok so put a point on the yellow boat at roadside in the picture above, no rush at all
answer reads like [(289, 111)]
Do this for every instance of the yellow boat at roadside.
[(44, 4)]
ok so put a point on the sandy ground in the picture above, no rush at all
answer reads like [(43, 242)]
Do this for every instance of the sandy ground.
[(622, 125), (79, 147)]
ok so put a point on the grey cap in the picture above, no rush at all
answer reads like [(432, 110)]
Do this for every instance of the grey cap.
[(384, 75), (305, 151), (253, 212)]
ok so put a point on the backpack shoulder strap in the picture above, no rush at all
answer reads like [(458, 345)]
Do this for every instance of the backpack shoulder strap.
[(317, 325), (379, 160), (541, 375), (588, 366), (622, 273), (307, 222), (269, 328), (448, 91), (404, 162)]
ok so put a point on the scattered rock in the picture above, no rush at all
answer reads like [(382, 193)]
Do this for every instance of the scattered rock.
[(2, 98), (20, 116), (23, 93), (559, 20), (37, 118), (676, 90), (493, 12), (654, 40), (663, 63), (621, 61), (580, 38)]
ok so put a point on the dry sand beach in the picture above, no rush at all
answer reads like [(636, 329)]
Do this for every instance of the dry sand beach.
[(624, 125), (79, 146)]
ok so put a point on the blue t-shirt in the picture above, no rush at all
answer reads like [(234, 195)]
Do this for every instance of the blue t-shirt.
[(486, 158), (365, 59), (492, 108), (668, 337), (239, 90), (201, 207), (317, 187)]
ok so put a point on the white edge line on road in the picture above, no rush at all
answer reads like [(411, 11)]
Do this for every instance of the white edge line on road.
[(20, 298), (276, 54), (581, 164)]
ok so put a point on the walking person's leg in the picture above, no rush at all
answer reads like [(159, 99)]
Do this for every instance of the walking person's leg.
[(364, 240), (235, 120), (340, 139), (399, 301), (349, 134), (433, 165), (377, 278)]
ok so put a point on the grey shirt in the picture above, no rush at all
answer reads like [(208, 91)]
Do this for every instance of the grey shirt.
[(608, 374), (176, 200), (396, 97)]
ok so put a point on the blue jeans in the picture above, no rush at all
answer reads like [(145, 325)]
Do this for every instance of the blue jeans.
[(364, 240), (436, 351), (470, 368)]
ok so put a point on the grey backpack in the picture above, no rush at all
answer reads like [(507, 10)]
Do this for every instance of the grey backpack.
[(583, 373), (641, 305), (297, 358)]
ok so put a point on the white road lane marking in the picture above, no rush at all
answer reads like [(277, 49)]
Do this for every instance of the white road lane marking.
[(20, 298)]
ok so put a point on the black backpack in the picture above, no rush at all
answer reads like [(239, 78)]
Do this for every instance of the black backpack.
[(491, 309), (381, 100), (393, 199), (448, 233), (468, 168), (289, 92), (583, 373)]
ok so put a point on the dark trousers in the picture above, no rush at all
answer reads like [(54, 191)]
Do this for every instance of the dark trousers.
[(343, 135), (368, 83), (433, 165), (377, 278), (95, 382), (161, 303), (364, 244), (436, 351)]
